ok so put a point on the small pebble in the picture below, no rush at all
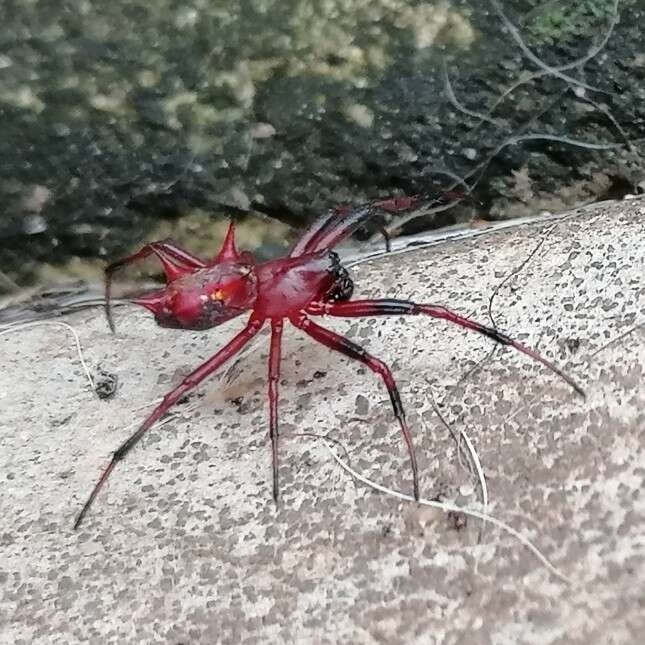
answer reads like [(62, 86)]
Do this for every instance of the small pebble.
[(105, 384), (466, 490)]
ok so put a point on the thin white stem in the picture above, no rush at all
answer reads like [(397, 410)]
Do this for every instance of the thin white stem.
[(448, 507), (59, 323)]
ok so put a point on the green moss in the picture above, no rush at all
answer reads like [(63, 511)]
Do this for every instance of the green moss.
[(558, 23), (129, 113)]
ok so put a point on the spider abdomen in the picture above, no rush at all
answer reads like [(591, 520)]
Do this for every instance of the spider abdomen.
[(204, 298)]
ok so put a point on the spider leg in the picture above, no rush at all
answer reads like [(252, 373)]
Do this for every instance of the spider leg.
[(192, 380), (167, 252), (390, 307), (314, 232), (338, 224), (352, 350), (331, 221), (274, 379), (179, 255), (341, 228), (175, 261)]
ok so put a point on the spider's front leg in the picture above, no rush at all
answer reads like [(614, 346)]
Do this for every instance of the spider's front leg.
[(391, 307), (352, 350)]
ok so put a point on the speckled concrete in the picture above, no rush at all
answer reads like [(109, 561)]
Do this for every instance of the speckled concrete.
[(185, 545)]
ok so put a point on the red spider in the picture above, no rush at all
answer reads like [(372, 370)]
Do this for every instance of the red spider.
[(309, 281)]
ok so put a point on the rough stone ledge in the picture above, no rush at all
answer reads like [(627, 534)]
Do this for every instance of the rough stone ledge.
[(184, 545)]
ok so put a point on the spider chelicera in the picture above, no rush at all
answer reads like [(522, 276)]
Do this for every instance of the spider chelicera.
[(310, 281)]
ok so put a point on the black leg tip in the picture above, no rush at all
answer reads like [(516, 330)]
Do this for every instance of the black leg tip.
[(110, 320)]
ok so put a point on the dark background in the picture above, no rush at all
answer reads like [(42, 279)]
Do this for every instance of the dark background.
[(120, 117)]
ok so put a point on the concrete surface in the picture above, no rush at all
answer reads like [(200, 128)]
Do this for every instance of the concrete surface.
[(184, 545)]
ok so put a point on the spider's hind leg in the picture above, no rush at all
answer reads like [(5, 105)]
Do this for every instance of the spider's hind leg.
[(189, 382), (274, 380)]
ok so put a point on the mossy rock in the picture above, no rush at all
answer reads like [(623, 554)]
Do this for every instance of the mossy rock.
[(117, 116)]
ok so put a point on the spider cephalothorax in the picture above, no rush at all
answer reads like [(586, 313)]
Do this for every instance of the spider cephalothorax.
[(310, 281)]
